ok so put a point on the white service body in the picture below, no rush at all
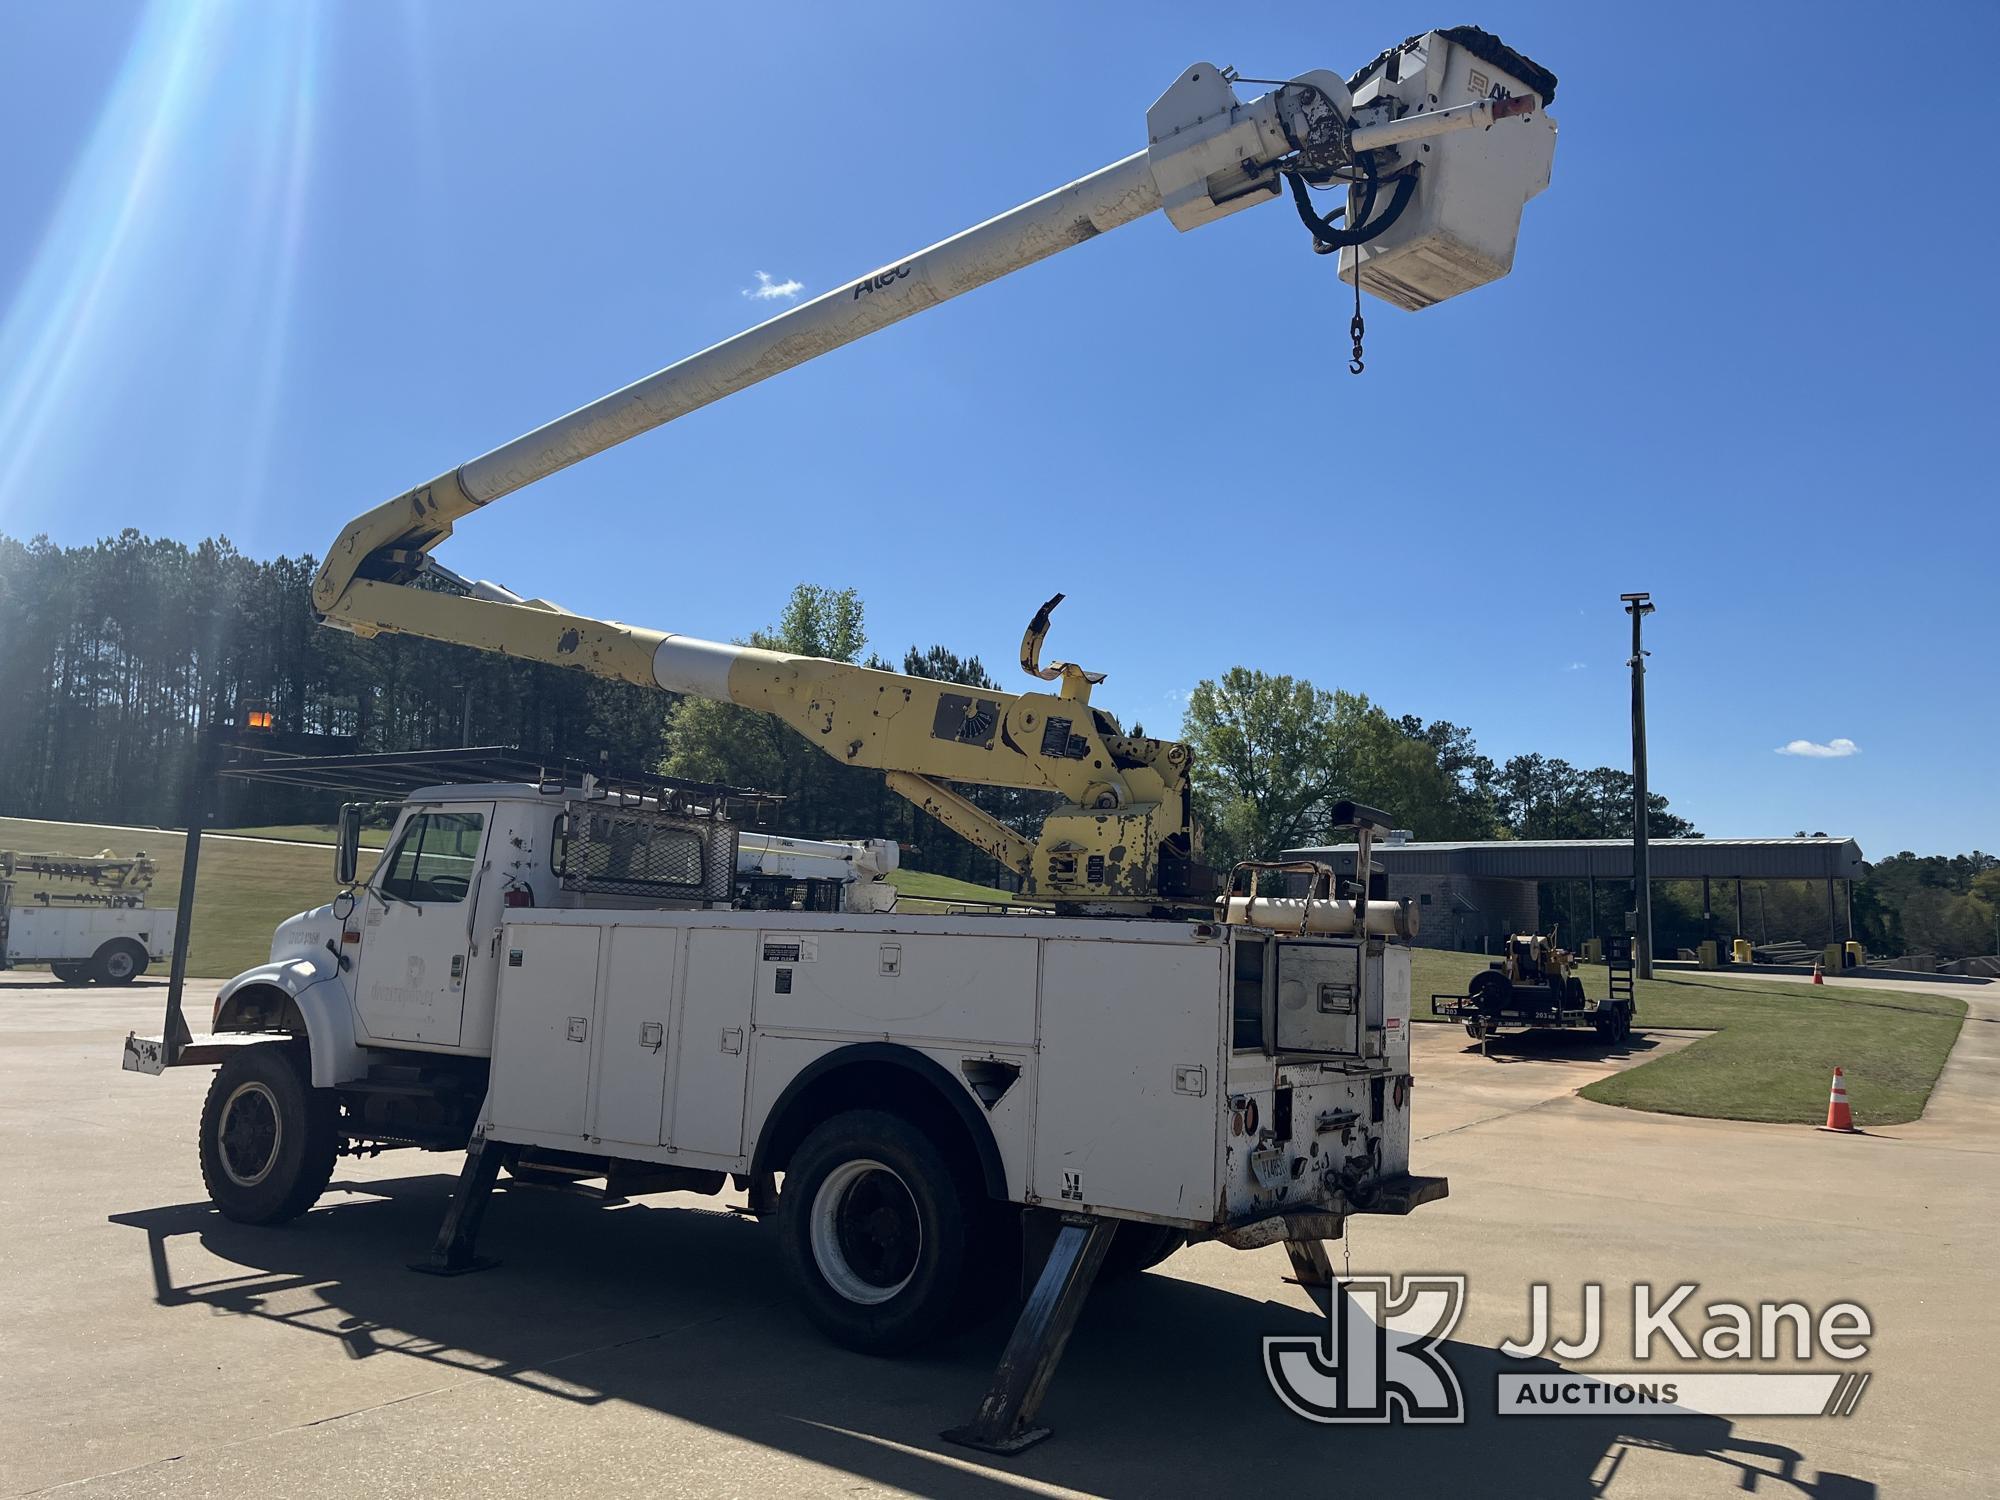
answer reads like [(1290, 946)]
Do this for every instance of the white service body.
[(1192, 1073), (37, 934)]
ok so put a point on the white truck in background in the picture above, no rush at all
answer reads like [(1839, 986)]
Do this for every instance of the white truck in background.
[(104, 933)]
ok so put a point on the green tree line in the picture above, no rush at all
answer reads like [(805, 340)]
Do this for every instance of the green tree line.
[(115, 658)]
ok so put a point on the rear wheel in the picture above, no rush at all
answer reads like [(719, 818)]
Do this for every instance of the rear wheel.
[(72, 973), (268, 1138), (119, 961), (1139, 1247), (873, 1221)]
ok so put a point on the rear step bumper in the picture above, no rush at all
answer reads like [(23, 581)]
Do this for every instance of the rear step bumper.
[(1395, 1196)]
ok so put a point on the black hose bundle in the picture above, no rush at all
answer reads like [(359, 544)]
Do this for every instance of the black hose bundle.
[(1326, 238)]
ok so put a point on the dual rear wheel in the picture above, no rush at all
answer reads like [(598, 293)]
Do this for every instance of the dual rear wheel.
[(890, 1242)]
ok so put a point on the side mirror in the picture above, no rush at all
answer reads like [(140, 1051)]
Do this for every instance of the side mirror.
[(347, 844)]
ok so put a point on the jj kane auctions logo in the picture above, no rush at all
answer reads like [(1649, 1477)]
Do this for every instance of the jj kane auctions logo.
[(1382, 1357)]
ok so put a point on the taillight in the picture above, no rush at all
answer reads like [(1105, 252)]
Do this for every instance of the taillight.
[(520, 896)]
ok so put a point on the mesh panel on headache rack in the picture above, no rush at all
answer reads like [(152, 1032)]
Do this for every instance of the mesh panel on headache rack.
[(631, 852)]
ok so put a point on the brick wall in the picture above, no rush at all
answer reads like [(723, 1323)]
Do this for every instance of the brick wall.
[(1502, 906)]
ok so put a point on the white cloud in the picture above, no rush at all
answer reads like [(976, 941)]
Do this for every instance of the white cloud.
[(1575, 666), (768, 290), (1831, 750)]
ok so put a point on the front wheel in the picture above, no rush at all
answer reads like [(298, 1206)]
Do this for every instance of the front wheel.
[(70, 973), (874, 1224), (268, 1138)]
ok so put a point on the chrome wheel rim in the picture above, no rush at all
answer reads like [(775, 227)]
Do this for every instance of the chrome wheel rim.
[(867, 1235)]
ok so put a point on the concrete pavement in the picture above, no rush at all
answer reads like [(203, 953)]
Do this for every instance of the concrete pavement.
[(154, 1348)]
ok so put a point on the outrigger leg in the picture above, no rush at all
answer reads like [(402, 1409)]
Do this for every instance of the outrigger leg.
[(452, 1254), (1004, 1423)]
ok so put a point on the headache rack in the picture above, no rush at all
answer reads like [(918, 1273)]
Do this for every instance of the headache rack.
[(617, 849)]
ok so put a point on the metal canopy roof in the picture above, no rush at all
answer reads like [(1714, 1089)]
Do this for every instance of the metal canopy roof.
[(1610, 859)]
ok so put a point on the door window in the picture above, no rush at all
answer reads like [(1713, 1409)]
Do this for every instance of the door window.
[(434, 860)]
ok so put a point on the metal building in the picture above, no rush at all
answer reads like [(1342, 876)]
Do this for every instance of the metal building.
[(1473, 893)]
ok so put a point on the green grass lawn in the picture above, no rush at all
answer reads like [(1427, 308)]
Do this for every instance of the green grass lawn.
[(917, 886), (307, 833), (1774, 1049), (243, 891)]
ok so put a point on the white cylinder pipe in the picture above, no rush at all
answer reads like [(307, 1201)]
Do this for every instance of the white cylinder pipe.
[(1105, 199), (1327, 918), (1438, 122)]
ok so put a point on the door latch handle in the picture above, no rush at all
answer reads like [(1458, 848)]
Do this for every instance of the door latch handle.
[(651, 1035)]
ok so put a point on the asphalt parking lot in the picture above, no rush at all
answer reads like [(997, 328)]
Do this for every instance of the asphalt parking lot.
[(154, 1348)]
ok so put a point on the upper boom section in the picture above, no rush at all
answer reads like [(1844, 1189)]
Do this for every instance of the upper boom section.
[(1209, 154)]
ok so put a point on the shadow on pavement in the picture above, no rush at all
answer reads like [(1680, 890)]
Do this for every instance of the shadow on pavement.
[(1561, 1046), (682, 1310)]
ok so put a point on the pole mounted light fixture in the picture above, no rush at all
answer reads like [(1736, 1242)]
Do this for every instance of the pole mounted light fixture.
[(1638, 606)]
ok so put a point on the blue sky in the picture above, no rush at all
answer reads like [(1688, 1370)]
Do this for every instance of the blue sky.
[(265, 265)]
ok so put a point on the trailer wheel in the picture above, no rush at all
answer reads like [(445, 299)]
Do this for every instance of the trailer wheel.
[(68, 973), (873, 1221), (268, 1138), (120, 961)]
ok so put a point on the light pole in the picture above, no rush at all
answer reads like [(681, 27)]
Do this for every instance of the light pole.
[(1638, 606)]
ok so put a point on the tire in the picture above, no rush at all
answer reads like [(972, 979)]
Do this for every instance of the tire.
[(1491, 990), (72, 973), (268, 1138), (120, 961), (1139, 1247), (874, 1224)]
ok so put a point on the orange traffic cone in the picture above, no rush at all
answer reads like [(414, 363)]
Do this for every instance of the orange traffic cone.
[(1818, 978), (1838, 1116)]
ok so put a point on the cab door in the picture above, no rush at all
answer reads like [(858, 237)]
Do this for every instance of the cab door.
[(419, 925)]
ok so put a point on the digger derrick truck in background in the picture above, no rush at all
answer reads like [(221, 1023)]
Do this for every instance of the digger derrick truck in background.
[(1155, 1056), (85, 916)]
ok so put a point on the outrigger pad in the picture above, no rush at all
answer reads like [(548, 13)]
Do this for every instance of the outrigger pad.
[(1005, 1422), (452, 1254)]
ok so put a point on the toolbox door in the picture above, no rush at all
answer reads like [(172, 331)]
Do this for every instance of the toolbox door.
[(1328, 1000), (641, 966)]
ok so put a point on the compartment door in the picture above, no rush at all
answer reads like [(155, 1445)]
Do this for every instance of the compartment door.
[(714, 1044), (542, 1032), (640, 968), (1321, 1006), (1127, 1084)]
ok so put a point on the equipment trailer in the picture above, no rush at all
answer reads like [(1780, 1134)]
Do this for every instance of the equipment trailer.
[(1535, 987), (1142, 1062)]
